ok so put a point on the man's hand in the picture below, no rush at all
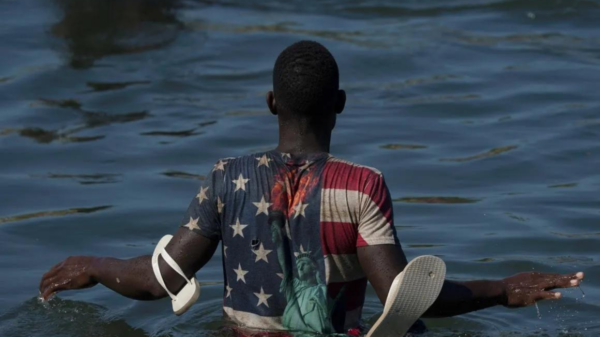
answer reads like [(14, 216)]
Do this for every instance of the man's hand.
[(525, 289), (72, 273)]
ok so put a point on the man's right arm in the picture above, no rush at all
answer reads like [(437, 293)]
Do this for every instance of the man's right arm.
[(383, 263), (191, 247), (133, 278)]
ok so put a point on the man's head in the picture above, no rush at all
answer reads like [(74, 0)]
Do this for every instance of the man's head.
[(306, 84)]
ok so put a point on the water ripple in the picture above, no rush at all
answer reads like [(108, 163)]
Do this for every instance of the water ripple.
[(64, 212), (491, 153)]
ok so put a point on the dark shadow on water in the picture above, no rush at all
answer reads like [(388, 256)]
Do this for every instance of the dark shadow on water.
[(94, 119), (207, 123), (569, 185), (181, 133), (517, 217), (63, 318), (48, 136), (93, 29), (57, 103), (107, 86), (247, 113), (64, 212), (424, 246), (414, 9), (185, 175), (91, 119), (577, 235), (491, 153), (84, 179), (402, 147)]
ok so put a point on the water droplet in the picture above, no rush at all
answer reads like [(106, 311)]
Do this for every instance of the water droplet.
[(582, 293)]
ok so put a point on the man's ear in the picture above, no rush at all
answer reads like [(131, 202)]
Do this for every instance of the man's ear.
[(340, 101), (271, 103)]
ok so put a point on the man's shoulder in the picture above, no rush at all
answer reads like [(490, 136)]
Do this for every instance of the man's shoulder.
[(244, 159), (354, 167)]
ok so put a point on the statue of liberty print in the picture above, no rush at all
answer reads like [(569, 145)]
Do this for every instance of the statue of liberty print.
[(308, 307)]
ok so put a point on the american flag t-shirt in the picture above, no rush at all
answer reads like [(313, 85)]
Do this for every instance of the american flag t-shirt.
[(290, 228)]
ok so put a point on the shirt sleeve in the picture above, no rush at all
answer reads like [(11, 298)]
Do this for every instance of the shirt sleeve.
[(376, 222), (203, 214)]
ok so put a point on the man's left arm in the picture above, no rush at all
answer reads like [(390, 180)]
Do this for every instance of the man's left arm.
[(384, 262), (382, 259)]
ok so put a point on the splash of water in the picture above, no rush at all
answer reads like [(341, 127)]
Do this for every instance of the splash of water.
[(582, 293), (538, 311), (45, 302)]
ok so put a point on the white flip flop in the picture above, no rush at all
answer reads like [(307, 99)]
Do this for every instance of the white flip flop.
[(413, 291), (189, 294)]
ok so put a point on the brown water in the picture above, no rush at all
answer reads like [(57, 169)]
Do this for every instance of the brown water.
[(483, 115)]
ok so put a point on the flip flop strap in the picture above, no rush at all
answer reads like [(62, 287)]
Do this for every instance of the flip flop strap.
[(169, 260), (158, 276)]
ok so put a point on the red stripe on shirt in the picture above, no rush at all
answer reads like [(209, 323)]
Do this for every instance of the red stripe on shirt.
[(338, 238), (345, 176)]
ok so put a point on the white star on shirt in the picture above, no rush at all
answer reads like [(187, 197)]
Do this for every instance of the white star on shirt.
[(261, 254), (220, 205), (299, 209), (286, 155), (225, 250), (240, 183), (220, 166), (280, 275), (262, 297), (192, 224), (240, 273), (263, 206), (302, 251), (229, 289), (202, 195), (264, 160), (238, 228)]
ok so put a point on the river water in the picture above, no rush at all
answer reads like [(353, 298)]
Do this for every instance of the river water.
[(483, 116)]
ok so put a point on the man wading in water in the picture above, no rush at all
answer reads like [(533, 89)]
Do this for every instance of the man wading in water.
[(302, 231)]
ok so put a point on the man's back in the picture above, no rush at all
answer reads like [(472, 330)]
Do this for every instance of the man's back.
[(300, 235), (290, 228)]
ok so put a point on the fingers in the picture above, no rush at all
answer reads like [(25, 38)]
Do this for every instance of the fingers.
[(547, 295), (49, 278), (45, 289), (48, 292), (50, 273), (48, 288), (564, 281), (54, 285)]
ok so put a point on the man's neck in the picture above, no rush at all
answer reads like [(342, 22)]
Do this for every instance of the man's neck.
[(299, 140)]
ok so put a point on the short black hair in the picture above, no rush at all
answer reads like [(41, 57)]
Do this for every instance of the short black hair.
[(305, 78)]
